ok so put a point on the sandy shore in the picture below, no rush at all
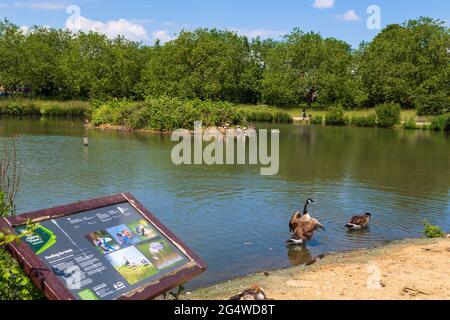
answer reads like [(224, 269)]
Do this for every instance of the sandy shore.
[(409, 269)]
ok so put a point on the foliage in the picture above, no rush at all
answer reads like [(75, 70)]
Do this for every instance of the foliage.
[(406, 64), (46, 108), (388, 114), (441, 123), (436, 104), (335, 116), (364, 121), (205, 64), (306, 67), (410, 124), (166, 114), (431, 231), (317, 120), (407, 61), (14, 284)]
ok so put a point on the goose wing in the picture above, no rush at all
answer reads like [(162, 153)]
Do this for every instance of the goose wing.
[(300, 233), (293, 223)]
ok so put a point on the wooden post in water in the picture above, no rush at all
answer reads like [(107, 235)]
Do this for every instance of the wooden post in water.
[(85, 140)]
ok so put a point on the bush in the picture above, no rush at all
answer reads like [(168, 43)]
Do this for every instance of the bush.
[(441, 123), (410, 124), (18, 109), (282, 117), (317, 120), (14, 284), (432, 232), (436, 104), (388, 114), (335, 117), (365, 121), (166, 114)]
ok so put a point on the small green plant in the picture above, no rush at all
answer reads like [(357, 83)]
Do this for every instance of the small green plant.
[(410, 124), (441, 123), (365, 121), (432, 231), (388, 114), (335, 117), (317, 120)]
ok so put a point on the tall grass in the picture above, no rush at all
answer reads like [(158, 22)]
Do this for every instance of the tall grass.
[(47, 108)]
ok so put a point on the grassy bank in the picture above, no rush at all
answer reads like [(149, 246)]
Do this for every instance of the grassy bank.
[(166, 114), (408, 119), (44, 108)]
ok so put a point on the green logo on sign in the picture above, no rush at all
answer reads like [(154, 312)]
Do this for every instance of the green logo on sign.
[(40, 240)]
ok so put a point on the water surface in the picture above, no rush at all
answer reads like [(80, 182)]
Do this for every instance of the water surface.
[(233, 217)]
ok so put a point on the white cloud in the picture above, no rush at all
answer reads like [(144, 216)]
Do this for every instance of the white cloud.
[(350, 15), (113, 28), (39, 5), (323, 4), (163, 36), (263, 33)]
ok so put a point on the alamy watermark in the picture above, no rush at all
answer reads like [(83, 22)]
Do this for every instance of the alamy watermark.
[(227, 146), (374, 20)]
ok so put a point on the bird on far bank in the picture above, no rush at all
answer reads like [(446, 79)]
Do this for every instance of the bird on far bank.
[(305, 231), (298, 216), (359, 222)]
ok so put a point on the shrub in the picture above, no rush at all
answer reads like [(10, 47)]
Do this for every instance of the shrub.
[(317, 120), (335, 117), (431, 231), (365, 121), (441, 123), (282, 117), (14, 284), (166, 114), (434, 104), (410, 124), (388, 114)]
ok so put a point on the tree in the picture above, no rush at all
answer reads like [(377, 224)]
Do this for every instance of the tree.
[(406, 61), (207, 64), (306, 67)]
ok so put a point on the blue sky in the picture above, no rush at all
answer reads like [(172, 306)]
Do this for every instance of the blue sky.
[(146, 20)]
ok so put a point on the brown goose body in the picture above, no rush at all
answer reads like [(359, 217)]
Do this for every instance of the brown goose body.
[(305, 231), (359, 222), (299, 217), (254, 293)]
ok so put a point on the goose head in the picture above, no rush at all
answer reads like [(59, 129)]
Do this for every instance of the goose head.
[(368, 215)]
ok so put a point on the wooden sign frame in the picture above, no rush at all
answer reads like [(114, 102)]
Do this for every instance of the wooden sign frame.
[(54, 289)]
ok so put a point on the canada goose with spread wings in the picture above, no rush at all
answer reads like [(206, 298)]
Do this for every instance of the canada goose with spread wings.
[(305, 231), (300, 217)]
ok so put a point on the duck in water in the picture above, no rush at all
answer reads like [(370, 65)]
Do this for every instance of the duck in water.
[(359, 222)]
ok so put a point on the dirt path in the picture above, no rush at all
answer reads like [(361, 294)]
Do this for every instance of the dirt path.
[(413, 269)]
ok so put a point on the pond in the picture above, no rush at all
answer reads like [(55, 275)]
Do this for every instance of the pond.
[(234, 218)]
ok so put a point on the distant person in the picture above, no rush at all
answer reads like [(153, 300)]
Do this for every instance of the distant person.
[(304, 114)]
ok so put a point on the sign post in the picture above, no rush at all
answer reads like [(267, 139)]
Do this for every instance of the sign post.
[(104, 249)]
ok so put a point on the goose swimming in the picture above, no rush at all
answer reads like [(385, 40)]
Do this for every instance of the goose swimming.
[(359, 222), (305, 231), (298, 217)]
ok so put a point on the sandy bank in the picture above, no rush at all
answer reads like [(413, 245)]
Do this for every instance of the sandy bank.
[(409, 269)]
